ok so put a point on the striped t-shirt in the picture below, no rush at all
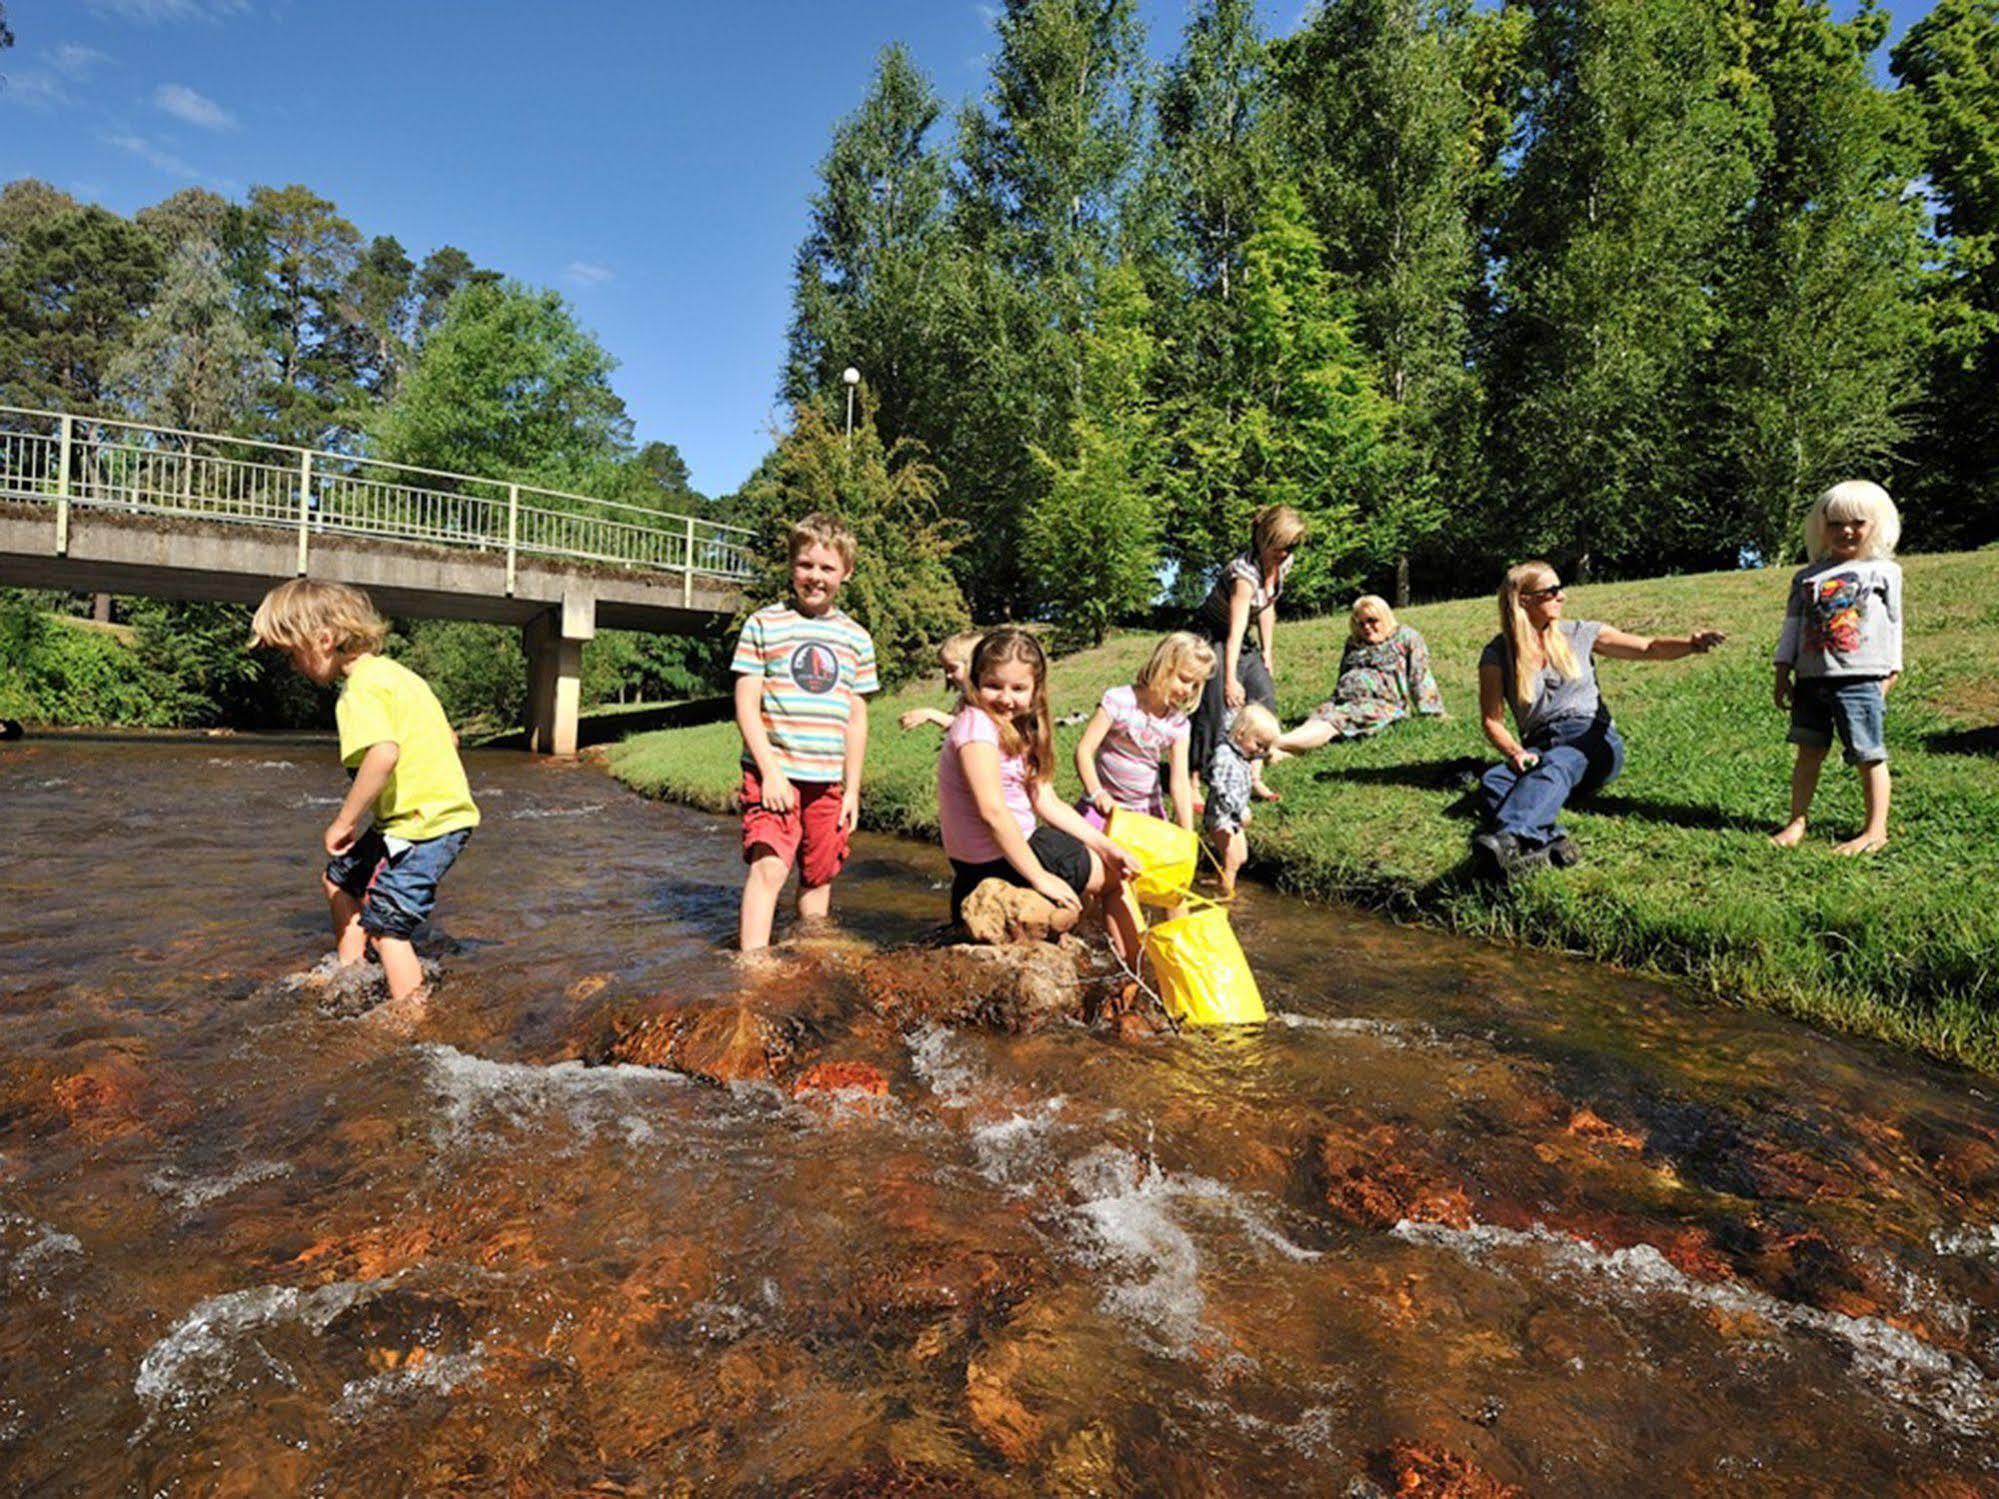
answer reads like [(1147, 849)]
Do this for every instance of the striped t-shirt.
[(810, 666)]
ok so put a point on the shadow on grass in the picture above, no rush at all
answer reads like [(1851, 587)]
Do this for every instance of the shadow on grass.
[(1677, 814), (1983, 741)]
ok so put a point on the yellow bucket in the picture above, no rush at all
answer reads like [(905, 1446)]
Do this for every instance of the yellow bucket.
[(1166, 852), (1202, 975)]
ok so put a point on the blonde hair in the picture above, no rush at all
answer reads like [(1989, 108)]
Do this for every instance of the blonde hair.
[(1365, 601), (956, 650), (1274, 526), (1027, 734), (822, 530), (1181, 648), (1856, 499), (1514, 626), (293, 614), (1254, 718)]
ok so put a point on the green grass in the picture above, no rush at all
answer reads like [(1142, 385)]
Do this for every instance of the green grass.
[(1679, 876)]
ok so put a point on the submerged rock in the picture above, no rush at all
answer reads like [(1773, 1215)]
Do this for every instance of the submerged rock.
[(1018, 987), (1418, 1472), (716, 1043), (347, 993)]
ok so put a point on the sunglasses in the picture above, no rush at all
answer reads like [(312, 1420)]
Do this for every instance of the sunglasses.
[(1542, 593)]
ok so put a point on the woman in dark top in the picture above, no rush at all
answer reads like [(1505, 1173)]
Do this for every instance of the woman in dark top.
[(1248, 588), (1543, 666)]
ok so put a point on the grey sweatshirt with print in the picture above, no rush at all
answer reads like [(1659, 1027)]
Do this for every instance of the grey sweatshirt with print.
[(1843, 619)]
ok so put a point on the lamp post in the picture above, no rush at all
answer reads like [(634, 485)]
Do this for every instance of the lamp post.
[(853, 377)]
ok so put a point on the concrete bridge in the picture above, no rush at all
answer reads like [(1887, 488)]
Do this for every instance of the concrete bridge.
[(94, 505)]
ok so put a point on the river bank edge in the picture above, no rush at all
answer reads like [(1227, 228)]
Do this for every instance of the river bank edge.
[(1528, 915)]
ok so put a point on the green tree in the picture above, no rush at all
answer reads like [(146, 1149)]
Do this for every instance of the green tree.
[(1822, 295), (1948, 64), (902, 590), (309, 256), (190, 362), (1382, 125), (509, 385), (1634, 161), (1092, 538), (377, 318), (864, 291), (443, 272), (73, 282), (1043, 173)]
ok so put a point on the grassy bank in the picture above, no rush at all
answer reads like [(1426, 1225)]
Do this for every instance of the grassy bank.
[(1678, 877)]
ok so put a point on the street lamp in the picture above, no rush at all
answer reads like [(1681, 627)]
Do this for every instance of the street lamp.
[(853, 377)]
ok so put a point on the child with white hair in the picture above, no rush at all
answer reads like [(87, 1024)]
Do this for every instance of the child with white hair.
[(1247, 740), (1841, 651)]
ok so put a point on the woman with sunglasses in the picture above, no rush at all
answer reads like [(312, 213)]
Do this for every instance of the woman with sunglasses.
[(1543, 666), (1247, 589)]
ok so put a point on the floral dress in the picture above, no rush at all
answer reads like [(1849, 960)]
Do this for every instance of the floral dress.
[(1381, 683)]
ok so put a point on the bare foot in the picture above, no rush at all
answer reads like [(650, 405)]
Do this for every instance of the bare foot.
[(1866, 843), (1790, 835), (401, 1017)]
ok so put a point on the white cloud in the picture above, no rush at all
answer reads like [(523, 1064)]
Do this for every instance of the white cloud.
[(152, 155), (35, 90), (74, 60), (191, 108), (152, 12), (588, 273)]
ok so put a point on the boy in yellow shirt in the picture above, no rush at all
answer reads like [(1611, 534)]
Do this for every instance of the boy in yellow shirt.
[(396, 743)]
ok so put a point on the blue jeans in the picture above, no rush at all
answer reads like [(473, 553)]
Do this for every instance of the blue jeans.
[(397, 894), (1574, 763), (1854, 706)]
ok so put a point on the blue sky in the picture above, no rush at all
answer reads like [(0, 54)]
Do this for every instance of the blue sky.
[(649, 158)]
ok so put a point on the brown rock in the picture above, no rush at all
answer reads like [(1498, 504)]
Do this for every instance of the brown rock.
[(115, 1095), (1417, 1472), (718, 1044), (1019, 987), (841, 1077), (997, 912), (1375, 1181)]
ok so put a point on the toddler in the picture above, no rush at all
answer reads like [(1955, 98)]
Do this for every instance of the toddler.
[(1246, 742)]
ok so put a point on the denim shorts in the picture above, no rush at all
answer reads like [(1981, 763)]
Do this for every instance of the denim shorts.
[(1853, 706), (396, 893)]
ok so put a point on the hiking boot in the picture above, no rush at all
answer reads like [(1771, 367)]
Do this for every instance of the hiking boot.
[(1563, 853), (1493, 855)]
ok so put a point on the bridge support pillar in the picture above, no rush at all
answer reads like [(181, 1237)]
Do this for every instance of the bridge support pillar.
[(553, 643)]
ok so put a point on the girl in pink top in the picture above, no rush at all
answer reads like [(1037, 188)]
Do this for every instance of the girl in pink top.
[(996, 801), (1136, 727)]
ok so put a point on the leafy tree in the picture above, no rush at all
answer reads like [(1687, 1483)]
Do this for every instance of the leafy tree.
[(1043, 172), (27, 201), (1382, 125), (190, 362), (310, 254), (377, 313), (507, 384), (902, 590), (1821, 301), (72, 285), (865, 286), (661, 463), (1948, 64), (1091, 540), (1634, 158), (438, 279)]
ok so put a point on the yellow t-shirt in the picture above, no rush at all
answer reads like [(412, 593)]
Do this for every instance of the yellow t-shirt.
[(427, 795)]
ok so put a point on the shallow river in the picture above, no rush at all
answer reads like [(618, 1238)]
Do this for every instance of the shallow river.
[(1455, 1216)]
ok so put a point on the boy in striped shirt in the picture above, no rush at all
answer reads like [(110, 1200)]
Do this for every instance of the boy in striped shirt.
[(802, 670)]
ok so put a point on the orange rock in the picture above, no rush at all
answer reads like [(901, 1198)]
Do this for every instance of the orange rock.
[(718, 1044), (841, 1077), (1371, 1182), (1418, 1472), (114, 1095), (1587, 1124)]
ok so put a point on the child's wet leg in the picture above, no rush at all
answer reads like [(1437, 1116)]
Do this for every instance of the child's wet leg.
[(761, 888), (1118, 916), (399, 966), (815, 902), (350, 943), (1874, 796), (1804, 785)]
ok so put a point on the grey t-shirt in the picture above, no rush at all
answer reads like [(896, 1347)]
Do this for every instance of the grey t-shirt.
[(1559, 705), (1844, 619)]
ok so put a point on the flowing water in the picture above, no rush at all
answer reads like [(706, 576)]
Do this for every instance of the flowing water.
[(1456, 1216)]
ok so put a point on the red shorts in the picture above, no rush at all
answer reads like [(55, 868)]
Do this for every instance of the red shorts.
[(808, 835)]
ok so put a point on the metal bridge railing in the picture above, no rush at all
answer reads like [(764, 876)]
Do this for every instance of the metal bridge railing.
[(68, 461)]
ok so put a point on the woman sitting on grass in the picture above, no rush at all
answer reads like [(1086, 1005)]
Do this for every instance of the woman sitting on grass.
[(1542, 665), (1384, 676)]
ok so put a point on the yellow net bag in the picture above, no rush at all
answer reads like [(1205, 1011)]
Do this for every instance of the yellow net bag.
[(1203, 977)]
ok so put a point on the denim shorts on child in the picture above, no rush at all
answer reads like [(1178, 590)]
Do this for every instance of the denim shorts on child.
[(1852, 706), (396, 890)]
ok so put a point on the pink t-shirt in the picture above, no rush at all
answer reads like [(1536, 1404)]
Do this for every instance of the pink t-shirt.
[(1128, 759), (966, 836)]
